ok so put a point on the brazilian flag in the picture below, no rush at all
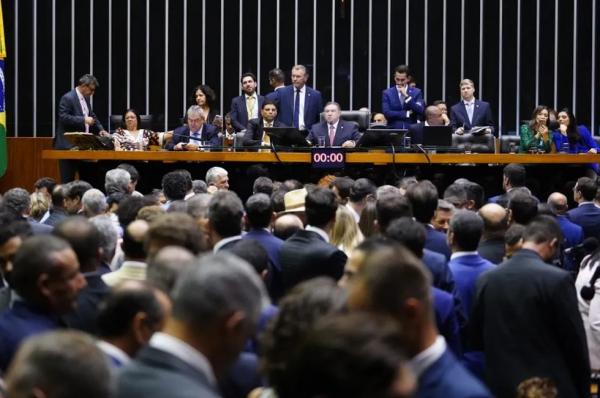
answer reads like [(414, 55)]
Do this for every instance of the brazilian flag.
[(3, 151)]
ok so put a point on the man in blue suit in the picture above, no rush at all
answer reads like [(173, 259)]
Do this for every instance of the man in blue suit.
[(248, 105), (299, 105), (334, 131), (586, 214), (395, 272), (189, 137), (433, 117), (75, 114), (470, 112), (277, 82), (402, 104), (572, 233)]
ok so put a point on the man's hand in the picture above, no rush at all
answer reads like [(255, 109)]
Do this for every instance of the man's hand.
[(104, 133), (404, 91), (459, 131), (179, 147), (349, 144), (191, 147), (89, 120)]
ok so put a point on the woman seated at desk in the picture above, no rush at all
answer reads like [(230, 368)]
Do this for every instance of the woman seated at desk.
[(132, 137), (577, 139), (535, 135)]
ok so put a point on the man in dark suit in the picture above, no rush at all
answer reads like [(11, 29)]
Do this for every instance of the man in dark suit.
[(225, 211), (299, 105), (513, 176), (495, 224), (525, 318), (216, 307), (394, 272), (18, 201), (433, 117), (572, 233), (586, 214), (246, 106), (402, 104), (75, 114), (189, 137), (470, 112), (308, 253), (255, 134), (334, 131), (276, 81)]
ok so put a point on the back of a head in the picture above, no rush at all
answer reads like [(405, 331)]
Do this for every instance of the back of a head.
[(128, 209), (117, 180), (197, 205), (259, 210), (166, 266), (174, 229), (523, 207), (286, 225), (423, 197), (456, 194), (408, 232), (94, 202), (108, 236), (542, 229), (84, 238), (217, 286), (587, 187), (390, 208), (320, 207), (199, 186), (225, 213), (133, 172), (133, 240), (251, 251), (466, 228), (495, 219), (60, 364), (47, 183), (343, 185), (58, 196), (174, 185), (558, 203), (476, 194), (17, 200), (76, 189), (263, 185), (362, 188), (515, 173)]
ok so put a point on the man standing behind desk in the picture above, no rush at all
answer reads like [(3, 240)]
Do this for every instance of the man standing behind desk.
[(246, 106), (299, 105), (470, 112), (402, 104), (190, 136), (75, 114), (333, 130)]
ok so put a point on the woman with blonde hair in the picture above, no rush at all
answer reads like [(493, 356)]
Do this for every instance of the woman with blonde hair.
[(345, 233)]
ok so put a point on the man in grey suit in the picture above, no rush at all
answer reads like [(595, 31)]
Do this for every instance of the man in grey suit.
[(216, 307)]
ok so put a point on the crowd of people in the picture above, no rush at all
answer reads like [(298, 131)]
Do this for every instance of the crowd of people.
[(338, 288)]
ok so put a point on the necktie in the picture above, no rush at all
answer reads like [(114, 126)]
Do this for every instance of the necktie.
[(470, 112), (297, 109), (196, 137), (266, 139), (331, 134), (250, 106), (401, 98)]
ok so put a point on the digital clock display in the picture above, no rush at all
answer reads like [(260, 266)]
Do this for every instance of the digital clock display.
[(328, 158)]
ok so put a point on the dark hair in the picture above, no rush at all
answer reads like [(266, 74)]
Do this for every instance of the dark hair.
[(88, 80), (84, 238), (467, 227), (277, 75), (211, 97), (259, 210), (58, 196), (587, 187), (456, 194), (16, 200), (268, 102), (475, 193), (248, 74), (343, 186), (120, 306), (133, 172), (542, 229), (538, 109), (132, 248), (139, 125), (225, 212), (76, 189), (391, 207), (523, 207), (128, 209), (572, 129), (45, 182), (513, 234), (408, 232), (320, 205), (263, 185), (277, 198), (402, 69), (253, 252), (515, 173), (362, 188), (423, 197), (14, 228), (174, 185)]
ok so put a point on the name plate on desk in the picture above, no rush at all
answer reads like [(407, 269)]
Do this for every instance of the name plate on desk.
[(327, 158)]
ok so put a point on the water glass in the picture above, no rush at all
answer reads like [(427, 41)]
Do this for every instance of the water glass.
[(321, 142), (467, 149), (407, 142)]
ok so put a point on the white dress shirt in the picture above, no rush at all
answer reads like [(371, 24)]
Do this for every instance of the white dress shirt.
[(301, 125), (423, 360)]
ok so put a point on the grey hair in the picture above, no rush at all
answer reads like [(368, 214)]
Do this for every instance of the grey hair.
[(445, 205), (216, 286), (18, 200), (88, 80), (117, 180), (197, 205), (387, 190), (196, 110), (94, 202), (213, 173), (109, 235)]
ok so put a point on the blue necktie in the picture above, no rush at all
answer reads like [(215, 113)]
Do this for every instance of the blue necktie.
[(297, 109)]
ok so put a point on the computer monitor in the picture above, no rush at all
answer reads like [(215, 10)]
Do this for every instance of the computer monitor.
[(286, 136), (382, 138), (437, 136)]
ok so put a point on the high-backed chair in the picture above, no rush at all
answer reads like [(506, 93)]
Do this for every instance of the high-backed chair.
[(507, 140), (480, 143), (362, 118)]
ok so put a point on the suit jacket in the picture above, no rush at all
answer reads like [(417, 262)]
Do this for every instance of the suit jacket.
[(482, 115), (447, 378), (156, 373), (306, 255), (254, 133), (56, 216), (239, 113), (182, 134), (415, 132), (346, 131), (446, 319), (492, 250), (587, 216), (70, 119), (313, 105), (536, 330), (397, 113), (86, 313), (272, 245), (436, 241), (466, 270)]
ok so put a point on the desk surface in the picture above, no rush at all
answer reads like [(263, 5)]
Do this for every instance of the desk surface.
[(303, 157)]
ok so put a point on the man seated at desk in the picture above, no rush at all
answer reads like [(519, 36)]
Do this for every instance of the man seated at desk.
[(189, 137), (334, 131), (255, 135), (433, 117)]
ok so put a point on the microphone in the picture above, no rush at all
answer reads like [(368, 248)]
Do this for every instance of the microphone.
[(587, 246)]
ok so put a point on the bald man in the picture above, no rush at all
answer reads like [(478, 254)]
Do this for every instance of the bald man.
[(495, 224), (433, 117), (572, 232)]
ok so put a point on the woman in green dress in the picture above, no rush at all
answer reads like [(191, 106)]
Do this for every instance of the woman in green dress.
[(535, 135)]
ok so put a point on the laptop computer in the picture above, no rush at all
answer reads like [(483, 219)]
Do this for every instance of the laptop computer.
[(382, 138), (437, 136), (286, 136)]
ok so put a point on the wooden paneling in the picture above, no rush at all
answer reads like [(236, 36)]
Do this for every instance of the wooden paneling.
[(25, 163)]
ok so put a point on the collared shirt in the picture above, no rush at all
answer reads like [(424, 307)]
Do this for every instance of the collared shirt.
[(301, 125), (118, 356), (427, 357), (470, 107), (585, 203), (322, 233), (196, 136), (84, 108), (225, 241), (462, 254), (254, 114), (185, 352)]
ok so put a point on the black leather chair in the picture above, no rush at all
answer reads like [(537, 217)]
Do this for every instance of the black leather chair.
[(116, 121), (362, 118), (507, 140), (480, 143)]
